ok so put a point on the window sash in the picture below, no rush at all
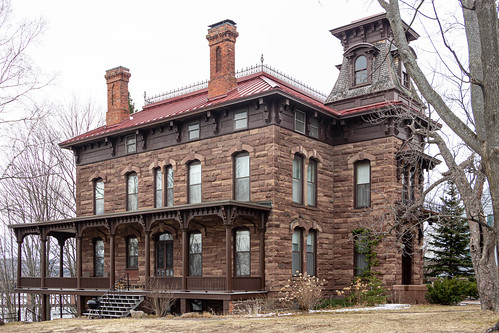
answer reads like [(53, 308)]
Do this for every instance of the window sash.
[(362, 250), (99, 197), (300, 122), (195, 182), (193, 131), (131, 144), (133, 192), (360, 70), (99, 258), (195, 254), (363, 195), (314, 128), (362, 184), (296, 253), (242, 257), (132, 252), (297, 179), (242, 180), (311, 183), (240, 120), (311, 253), (169, 186), (158, 191)]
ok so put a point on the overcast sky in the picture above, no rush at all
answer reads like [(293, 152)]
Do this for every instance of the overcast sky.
[(164, 45)]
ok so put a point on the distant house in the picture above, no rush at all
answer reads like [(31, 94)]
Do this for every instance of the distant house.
[(224, 191)]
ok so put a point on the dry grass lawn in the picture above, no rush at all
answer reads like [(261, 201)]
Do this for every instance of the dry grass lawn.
[(415, 319)]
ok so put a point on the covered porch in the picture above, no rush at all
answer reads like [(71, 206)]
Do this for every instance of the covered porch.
[(214, 271)]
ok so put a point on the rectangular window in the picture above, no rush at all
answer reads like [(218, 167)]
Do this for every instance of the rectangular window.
[(240, 120), (98, 257), (195, 254), (412, 178), (361, 253), (99, 196), (242, 256), (362, 184), (313, 130), (296, 252), (132, 246), (300, 122), (193, 131), (169, 186), (158, 188), (311, 253), (130, 144), (298, 179), (132, 191), (242, 181), (311, 183), (195, 182)]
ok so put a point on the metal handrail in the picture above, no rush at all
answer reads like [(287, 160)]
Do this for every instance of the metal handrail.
[(122, 284)]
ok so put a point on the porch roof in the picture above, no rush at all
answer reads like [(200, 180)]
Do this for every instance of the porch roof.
[(181, 212)]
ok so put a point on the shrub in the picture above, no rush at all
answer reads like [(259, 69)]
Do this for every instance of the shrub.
[(332, 303), (368, 291), (304, 290), (450, 291)]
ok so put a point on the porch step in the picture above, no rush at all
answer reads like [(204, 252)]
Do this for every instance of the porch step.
[(115, 305)]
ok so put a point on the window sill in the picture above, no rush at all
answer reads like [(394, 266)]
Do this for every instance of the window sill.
[(298, 205), (132, 268)]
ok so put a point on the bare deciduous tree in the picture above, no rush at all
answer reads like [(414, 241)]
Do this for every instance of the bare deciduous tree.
[(479, 98)]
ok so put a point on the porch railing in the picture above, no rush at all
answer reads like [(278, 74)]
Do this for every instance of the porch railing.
[(205, 283), (65, 282)]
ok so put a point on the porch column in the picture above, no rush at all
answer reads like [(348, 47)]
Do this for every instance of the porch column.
[(43, 260), (262, 257), (45, 315), (185, 258), (61, 257), (79, 264), (148, 258), (19, 262), (228, 257), (112, 265)]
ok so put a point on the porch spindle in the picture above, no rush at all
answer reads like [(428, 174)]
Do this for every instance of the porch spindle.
[(78, 263), (111, 259), (185, 258), (148, 258), (19, 262)]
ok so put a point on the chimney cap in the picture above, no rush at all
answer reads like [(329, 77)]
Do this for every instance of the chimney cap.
[(221, 23)]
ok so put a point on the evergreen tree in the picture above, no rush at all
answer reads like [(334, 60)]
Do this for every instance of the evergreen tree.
[(131, 105), (450, 240)]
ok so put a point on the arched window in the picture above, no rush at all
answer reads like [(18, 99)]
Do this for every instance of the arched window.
[(194, 189), (218, 59), (158, 188), (195, 254), (98, 257), (298, 179), (360, 70), (98, 196), (296, 252), (164, 255), (169, 186), (312, 183), (242, 177), (362, 184), (132, 252), (311, 251), (132, 191), (242, 250)]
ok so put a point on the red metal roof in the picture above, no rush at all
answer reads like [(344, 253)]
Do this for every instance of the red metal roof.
[(248, 87)]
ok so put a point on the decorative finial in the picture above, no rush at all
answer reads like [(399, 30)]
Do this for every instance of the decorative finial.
[(261, 60)]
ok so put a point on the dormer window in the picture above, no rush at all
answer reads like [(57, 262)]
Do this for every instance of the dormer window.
[(404, 76), (131, 144), (360, 70)]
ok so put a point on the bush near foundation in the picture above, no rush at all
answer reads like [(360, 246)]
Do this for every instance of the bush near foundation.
[(304, 290), (450, 291)]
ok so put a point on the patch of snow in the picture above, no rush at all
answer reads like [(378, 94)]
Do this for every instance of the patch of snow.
[(371, 308)]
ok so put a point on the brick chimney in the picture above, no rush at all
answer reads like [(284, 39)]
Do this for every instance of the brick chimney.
[(117, 95), (222, 39)]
